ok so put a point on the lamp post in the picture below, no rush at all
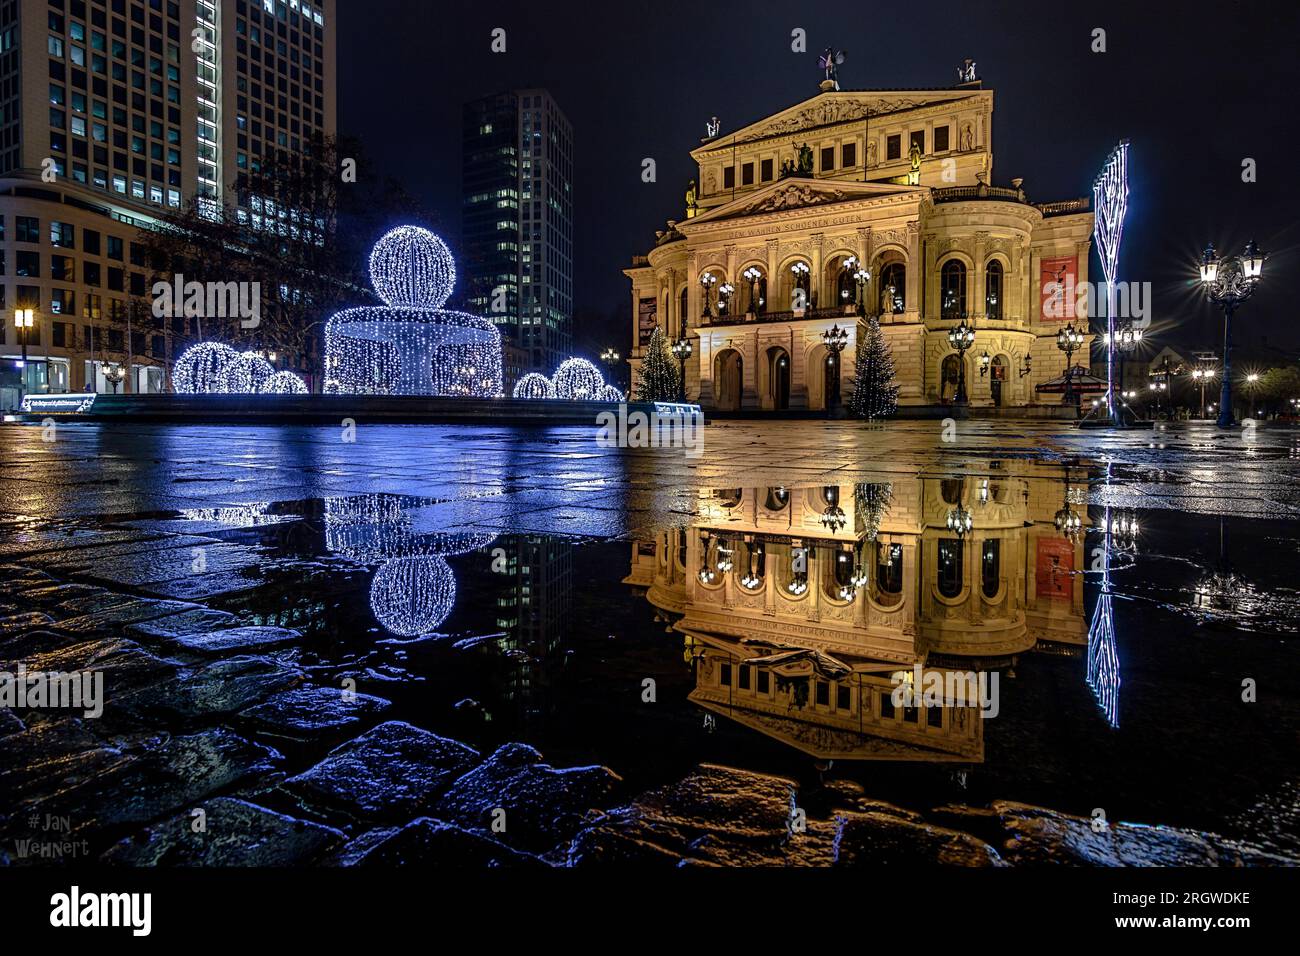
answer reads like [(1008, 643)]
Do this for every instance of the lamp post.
[(682, 349), (725, 291), (610, 357), (862, 277), (116, 375), (1069, 340), (961, 338), (801, 272), (708, 281), (1202, 376), (1229, 283), (835, 338), (753, 275), (1160, 381), (23, 320)]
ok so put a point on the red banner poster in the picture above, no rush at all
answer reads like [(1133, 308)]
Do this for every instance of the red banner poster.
[(1053, 572), (1058, 279), (646, 320)]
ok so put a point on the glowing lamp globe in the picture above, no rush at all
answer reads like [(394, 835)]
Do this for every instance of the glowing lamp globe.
[(412, 345)]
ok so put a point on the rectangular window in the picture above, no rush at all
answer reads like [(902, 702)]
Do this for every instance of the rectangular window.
[(744, 677), (887, 705), (843, 697), (729, 178), (941, 139), (724, 675), (917, 139), (90, 239), (115, 248), (27, 264), (63, 235), (828, 158), (747, 174), (823, 694), (849, 155), (764, 681), (893, 146), (766, 170), (29, 228)]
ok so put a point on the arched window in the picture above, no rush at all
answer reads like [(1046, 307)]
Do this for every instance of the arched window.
[(684, 315), (777, 499), (952, 289), (950, 568), (993, 290), (893, 283), (889, 573), (991, 567)]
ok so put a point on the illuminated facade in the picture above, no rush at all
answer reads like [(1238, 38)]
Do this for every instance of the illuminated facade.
[(786, 210), (804, 649)]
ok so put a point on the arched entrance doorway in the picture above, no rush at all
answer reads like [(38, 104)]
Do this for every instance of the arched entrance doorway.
[(998, 379), (777, 367), (949, 374), (728, 379)]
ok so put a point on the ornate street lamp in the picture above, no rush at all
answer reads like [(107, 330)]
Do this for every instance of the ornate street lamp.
[(961, 338), (801, 272), (835, 338), (1229, 283), (1069, 340), (708, 281), (116, 375), (610, 357), (725, 292), (985, 361), (23, 321), (960, 521), (682, 349), (753, 275), (1202, 377), (1027, 367)]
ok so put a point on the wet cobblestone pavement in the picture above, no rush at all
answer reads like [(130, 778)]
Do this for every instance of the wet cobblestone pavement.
[(432, 645)]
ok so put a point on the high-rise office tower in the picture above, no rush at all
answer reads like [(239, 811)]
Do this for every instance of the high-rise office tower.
[(518, 224), (111, 113)]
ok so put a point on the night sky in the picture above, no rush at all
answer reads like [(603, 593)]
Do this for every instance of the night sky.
[(1196, 87)]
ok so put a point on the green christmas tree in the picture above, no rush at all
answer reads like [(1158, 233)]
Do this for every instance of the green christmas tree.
[(659, 376), (875, 389)]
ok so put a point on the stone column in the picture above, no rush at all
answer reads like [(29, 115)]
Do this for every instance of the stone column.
[(914, 267)]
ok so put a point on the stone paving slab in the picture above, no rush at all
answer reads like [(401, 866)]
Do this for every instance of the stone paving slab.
[(392, 772), (235, 833)]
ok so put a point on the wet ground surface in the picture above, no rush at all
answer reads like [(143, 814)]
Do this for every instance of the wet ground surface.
[(346, 651)]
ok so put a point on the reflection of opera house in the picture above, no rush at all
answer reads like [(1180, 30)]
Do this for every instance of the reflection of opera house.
[(800, 604)]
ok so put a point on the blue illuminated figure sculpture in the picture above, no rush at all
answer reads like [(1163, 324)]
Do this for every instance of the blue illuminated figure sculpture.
[(412, 345)]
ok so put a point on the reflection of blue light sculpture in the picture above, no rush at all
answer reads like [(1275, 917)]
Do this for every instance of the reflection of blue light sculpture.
[(1103, 657), (533, 385), (414, 589), (412, 596), (412, 346), (199, 369)]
